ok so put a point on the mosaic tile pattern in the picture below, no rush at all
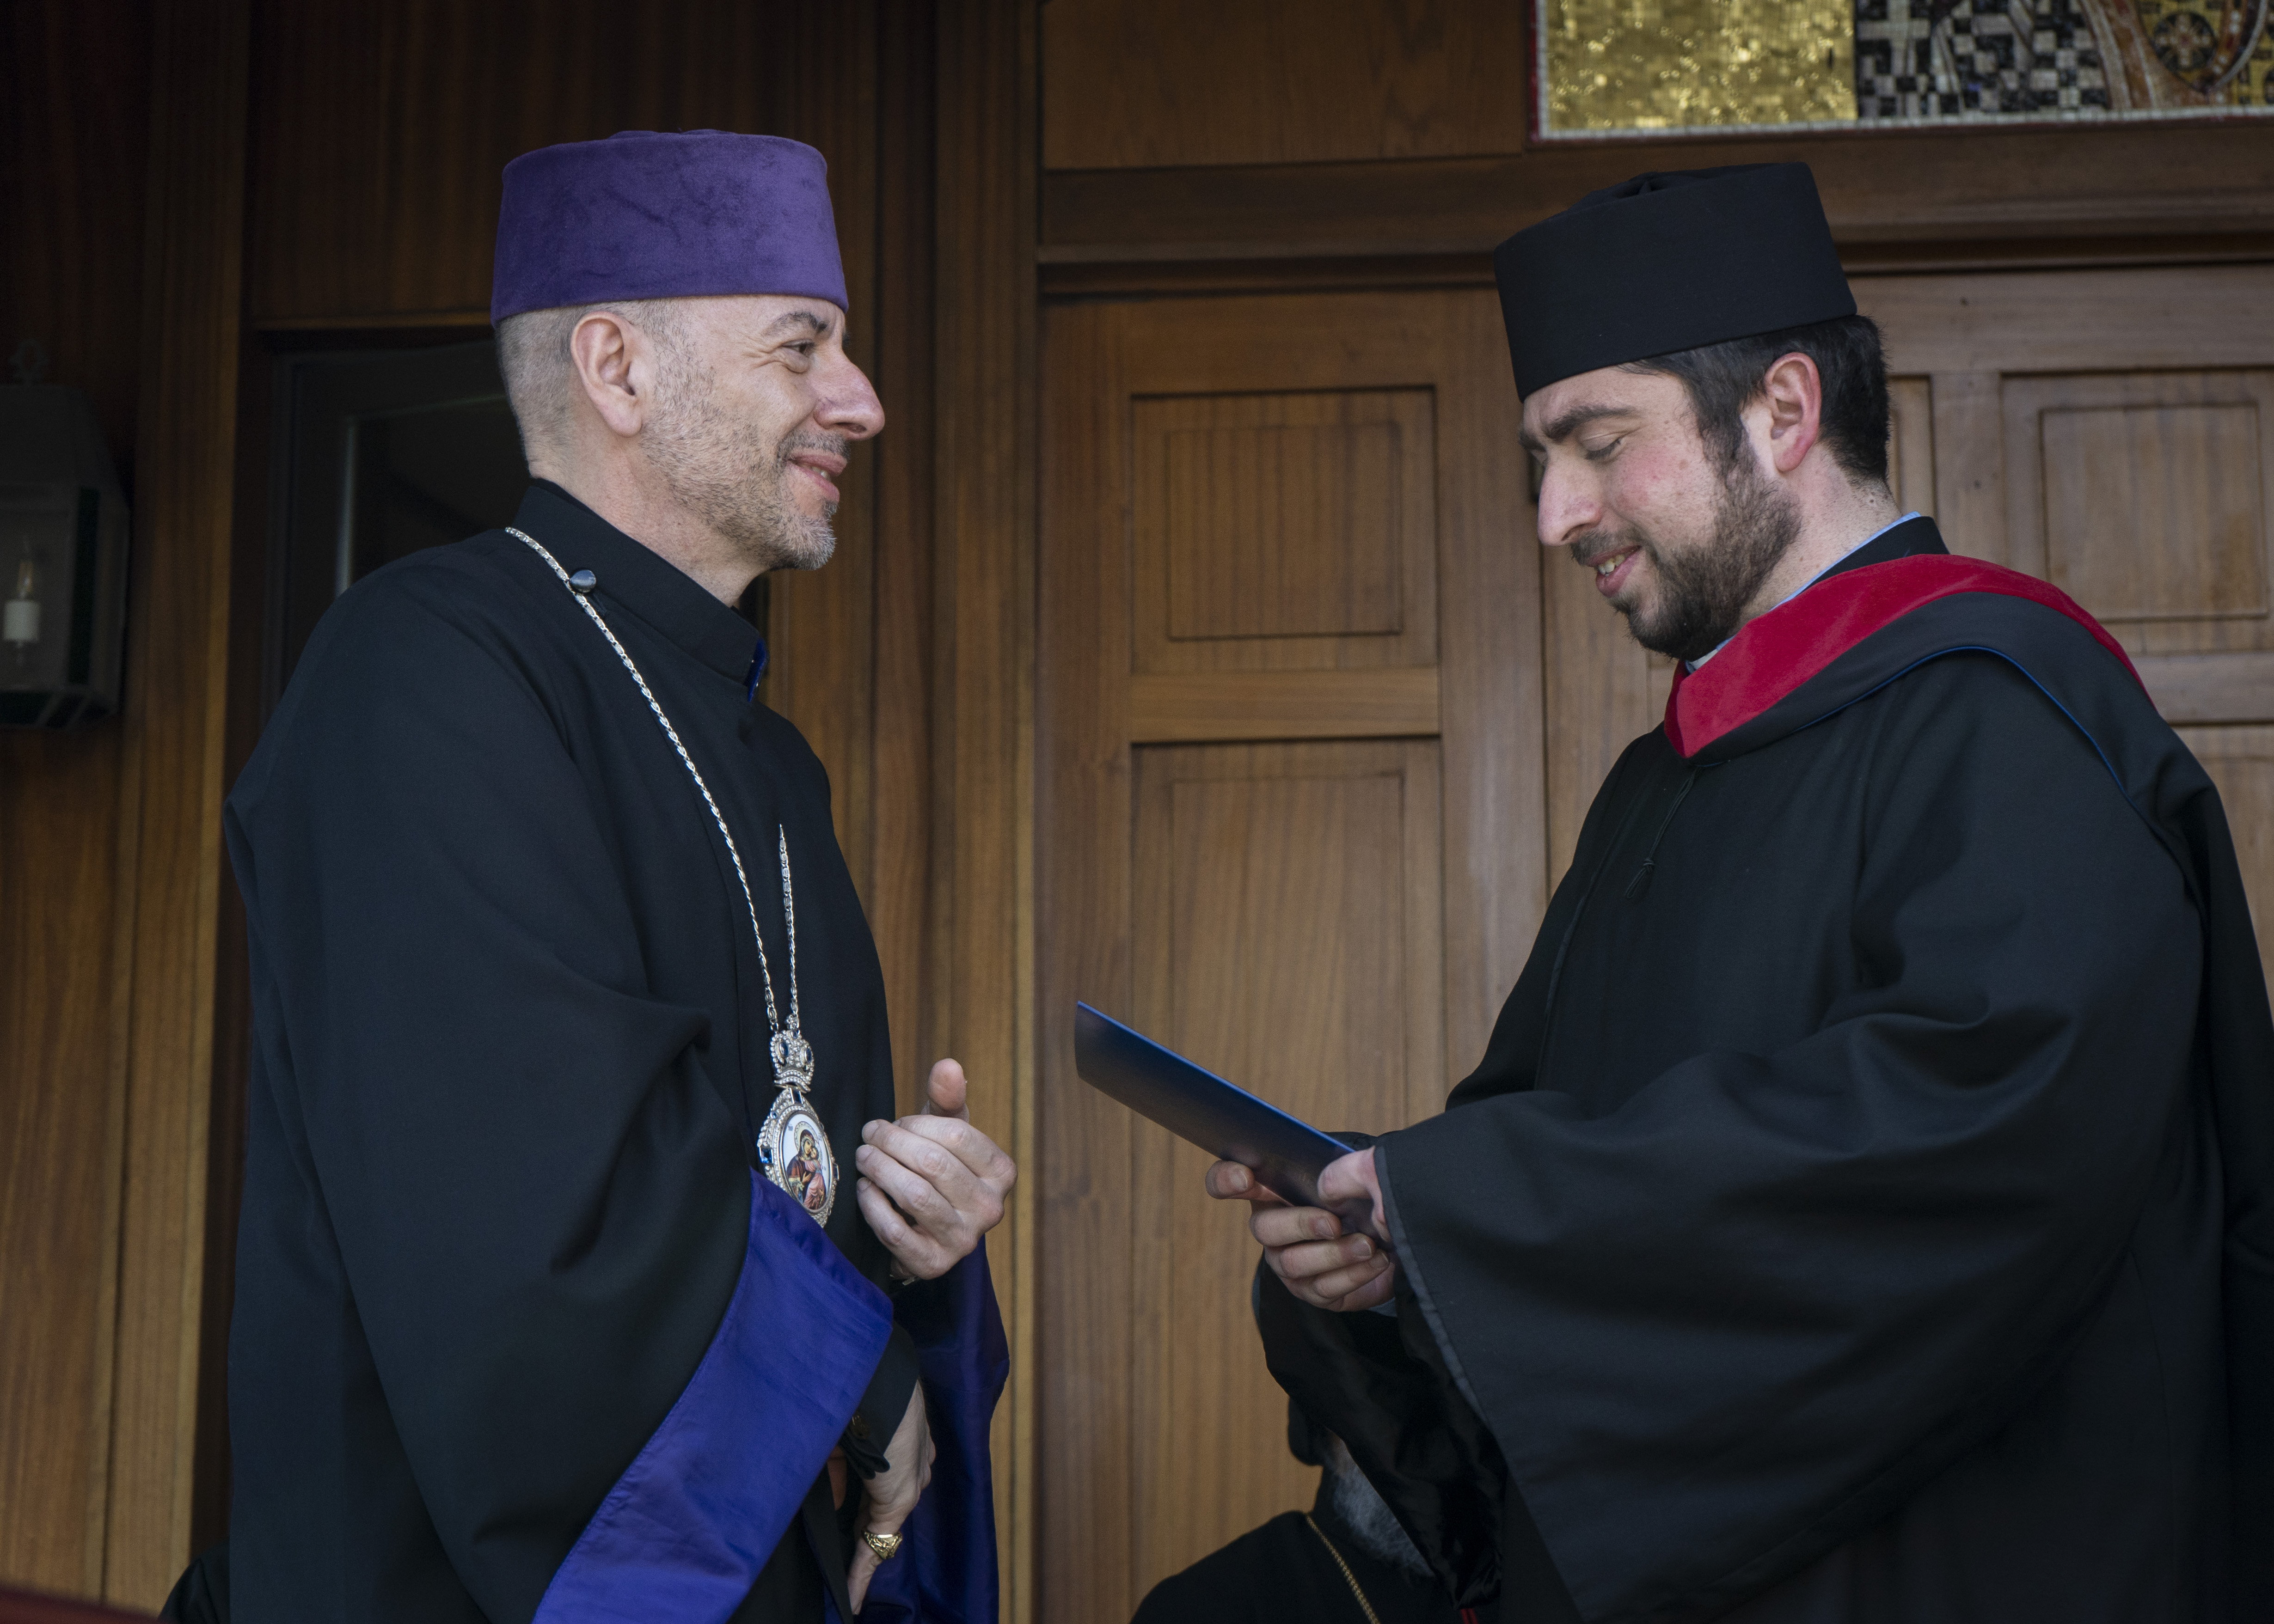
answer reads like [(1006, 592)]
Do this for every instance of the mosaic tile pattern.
[(1948, 58), (1630, 68)]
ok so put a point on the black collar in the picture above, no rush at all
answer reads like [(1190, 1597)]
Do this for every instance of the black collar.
[(640, 580), (1900, 540)]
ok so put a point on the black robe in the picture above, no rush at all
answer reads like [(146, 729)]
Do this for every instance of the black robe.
[(511, 1058), (1282, 1573), (1861, 1211)]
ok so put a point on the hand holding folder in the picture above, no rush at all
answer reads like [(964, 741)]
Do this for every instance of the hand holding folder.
[(1285, 1154)]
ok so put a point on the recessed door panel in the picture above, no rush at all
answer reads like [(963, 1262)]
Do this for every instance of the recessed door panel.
[(1288, 935), (1292, 822)]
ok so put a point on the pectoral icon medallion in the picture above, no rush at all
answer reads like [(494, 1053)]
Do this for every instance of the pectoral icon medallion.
[(793, 1150)]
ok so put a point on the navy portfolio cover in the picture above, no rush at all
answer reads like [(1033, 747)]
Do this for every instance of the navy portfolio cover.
[(1287, 1153)]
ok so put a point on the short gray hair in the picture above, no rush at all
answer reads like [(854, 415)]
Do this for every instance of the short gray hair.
[(540, 376)]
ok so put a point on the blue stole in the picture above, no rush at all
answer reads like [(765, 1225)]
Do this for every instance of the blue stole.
[(694, 1516)]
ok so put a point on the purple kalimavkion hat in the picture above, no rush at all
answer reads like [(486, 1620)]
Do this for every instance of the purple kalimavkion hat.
[(642, 215)]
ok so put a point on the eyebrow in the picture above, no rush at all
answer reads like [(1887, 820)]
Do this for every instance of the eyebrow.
[(815, 325), (1567, 424)]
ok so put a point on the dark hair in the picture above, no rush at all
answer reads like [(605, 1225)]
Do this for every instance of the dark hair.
[(1724, 379)]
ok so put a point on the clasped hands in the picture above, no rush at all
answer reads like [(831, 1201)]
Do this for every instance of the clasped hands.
[(1305, 1246)]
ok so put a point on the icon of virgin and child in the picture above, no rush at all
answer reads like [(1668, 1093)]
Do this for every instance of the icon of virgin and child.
[(807, 1176)]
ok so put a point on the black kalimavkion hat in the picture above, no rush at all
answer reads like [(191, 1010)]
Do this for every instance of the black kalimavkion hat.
[(1668, 261)]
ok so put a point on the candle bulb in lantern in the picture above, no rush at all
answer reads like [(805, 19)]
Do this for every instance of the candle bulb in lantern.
[(20, 616)]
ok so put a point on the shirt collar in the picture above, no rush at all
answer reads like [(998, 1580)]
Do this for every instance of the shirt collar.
[(1833, 567), (639, 579)]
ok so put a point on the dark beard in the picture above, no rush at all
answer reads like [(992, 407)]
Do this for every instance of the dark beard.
[(1703, 590)]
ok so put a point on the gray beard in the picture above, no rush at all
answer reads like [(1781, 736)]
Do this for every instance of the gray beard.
[(717, 469), (1371, 1526)]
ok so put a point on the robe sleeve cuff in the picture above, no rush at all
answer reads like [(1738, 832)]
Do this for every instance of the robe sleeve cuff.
[(882, 1405), (686, 1530)]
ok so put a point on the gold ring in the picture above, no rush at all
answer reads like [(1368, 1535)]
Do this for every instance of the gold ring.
[(883, 1545)]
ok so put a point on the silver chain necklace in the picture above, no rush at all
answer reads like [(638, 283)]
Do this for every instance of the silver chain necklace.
[(794, 1151)]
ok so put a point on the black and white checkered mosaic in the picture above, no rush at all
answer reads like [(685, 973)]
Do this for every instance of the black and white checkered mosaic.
[(1950, 58)]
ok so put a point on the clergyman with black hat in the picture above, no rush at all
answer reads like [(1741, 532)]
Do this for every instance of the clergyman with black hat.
[(584, 1273), (1863, 1210)]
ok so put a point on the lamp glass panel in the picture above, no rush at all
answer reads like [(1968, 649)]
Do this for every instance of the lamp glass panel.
[(38, 527)]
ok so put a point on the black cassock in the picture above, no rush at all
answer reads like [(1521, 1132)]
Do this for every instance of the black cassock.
[(1861, 1211), (511, 1058), (1285, 1573)]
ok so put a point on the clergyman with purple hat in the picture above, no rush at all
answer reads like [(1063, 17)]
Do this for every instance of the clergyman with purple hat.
[(585, 1272)]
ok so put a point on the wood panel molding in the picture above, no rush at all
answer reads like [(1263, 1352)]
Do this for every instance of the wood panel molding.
[(1146, 83), (1201, 706), (1945, 186), (984, 731), (2209, 687), (74, 103), (2098, 321), (175, 734)]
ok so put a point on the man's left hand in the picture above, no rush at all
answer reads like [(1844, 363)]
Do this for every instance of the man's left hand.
[(1305, 1246), (932, 1184), (892, 1494)]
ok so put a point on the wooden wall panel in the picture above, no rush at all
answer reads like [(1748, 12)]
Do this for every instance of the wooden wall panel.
[(175, 733), (1316, 505), (1303, 880), (1932, 198), (982, 1007), (58, 1177), (1911, 443), (75, 106), (1140, 83), (1285, 531), (382, 130), (2240, 760), (905, 805), (2144, 495)]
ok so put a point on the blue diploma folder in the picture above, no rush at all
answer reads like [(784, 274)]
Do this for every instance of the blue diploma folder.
[(1287, 1153)]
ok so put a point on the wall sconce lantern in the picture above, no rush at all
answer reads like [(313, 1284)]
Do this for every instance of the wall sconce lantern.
[(63, 561)]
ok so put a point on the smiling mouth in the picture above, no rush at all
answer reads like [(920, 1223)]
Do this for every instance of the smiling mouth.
[(1612, 570), (820, 471)]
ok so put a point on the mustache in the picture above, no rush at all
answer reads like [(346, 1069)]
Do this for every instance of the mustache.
[(1592, 548), (828, 445)]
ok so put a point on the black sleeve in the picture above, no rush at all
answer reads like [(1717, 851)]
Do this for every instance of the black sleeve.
[(539, 1199), (1376, 1383), (1720, 1329), (882, 1405)]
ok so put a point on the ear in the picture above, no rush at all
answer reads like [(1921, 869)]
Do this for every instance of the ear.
[(1792, 399), (615, 367)]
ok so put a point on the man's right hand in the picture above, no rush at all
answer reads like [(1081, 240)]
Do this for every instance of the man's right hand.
[(1304, 1245)]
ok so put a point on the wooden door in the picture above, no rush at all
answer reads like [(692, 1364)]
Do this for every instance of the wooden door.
[(1291, 822)]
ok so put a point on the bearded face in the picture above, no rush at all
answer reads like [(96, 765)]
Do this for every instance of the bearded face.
[(1695, 594), (725, 465)]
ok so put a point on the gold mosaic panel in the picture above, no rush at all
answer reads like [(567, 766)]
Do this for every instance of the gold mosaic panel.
[(1640, 67), (2178, 53), (1673, 64)]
